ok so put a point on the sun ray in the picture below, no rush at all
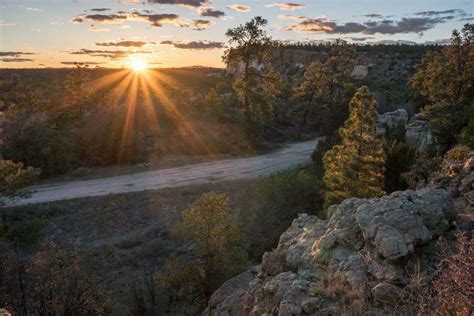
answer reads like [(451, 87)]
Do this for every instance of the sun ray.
[(131, 104), (185, 127)]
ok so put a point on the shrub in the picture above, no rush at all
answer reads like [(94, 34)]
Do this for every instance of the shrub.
[(282, 198), (458, 152)]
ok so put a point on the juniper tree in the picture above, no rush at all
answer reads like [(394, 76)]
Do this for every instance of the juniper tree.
[(355, 167), (256, 83)]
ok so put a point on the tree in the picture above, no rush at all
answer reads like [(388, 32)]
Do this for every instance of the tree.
[(327, 87), (355, 167), (54, 282), (445, 79), (218, 249), (256, 83)]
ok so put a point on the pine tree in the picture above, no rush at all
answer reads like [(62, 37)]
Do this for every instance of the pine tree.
[(355, 167), (256, 83)]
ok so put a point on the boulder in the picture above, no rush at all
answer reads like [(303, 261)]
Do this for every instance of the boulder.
[(418, 134), (391, 121), (362, 253)]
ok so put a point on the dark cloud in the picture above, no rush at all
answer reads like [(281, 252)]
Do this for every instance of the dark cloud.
[(197, 25), (15, 60), (113, 54), (373, 15), (189, 3), (239, 7), (156, 20), (405, 25), (289, 6), (104, 18), (14, 54), (125, 43), (100, 9), (81, 63), (211, 12), (197, 45), (436, 13)]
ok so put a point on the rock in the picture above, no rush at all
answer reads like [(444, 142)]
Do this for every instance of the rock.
[(363, 251), (385, 293), (391, 121), (231, 297), (360, 72), (418, 134)]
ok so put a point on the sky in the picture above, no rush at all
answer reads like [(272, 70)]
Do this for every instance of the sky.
[(178, 33)]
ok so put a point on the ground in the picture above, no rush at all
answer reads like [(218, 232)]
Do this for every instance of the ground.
[(128, 233)]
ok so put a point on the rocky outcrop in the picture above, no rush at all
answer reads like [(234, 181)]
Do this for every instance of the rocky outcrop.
[(418, 133), (390, 121), (361, 253)]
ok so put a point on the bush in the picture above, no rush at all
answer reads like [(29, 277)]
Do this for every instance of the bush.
[(425, 164), (283, 197), (458, 152)]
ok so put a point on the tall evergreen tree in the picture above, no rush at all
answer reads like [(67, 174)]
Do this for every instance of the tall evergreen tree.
[(355, 167)]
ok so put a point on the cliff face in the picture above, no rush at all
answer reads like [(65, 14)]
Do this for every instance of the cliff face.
[(363, 253), (381, 66)]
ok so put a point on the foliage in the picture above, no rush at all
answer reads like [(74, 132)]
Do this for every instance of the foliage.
[(355, 167), (326, 88), (283, 197), (256, 83), (445, 79), (54, 282), (400, 157), (424, 165), (13, 176), (217, 249), (27, 233), (458, 152)]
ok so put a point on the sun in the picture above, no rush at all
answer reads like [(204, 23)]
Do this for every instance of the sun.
[(138, 64)]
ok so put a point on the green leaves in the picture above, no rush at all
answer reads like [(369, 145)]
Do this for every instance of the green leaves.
[(355, 167)]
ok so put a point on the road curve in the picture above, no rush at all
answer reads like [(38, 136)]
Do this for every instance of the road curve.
[(209, 172)]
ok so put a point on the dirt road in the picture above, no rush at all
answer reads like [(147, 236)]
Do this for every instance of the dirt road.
[(211, 172)]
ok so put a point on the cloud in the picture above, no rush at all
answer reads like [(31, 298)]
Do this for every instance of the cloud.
[(156, 20), (197, 25), (405, 25), (436, 13), (14, 54), (373, 15), (33, 9), (289, 6), (239, 7), (81, 63), (102, 18), (15, 60), (188, 3), (100, 9), (211, 12), (196, 45), (112, 54), (360, 39), (125, 43)]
